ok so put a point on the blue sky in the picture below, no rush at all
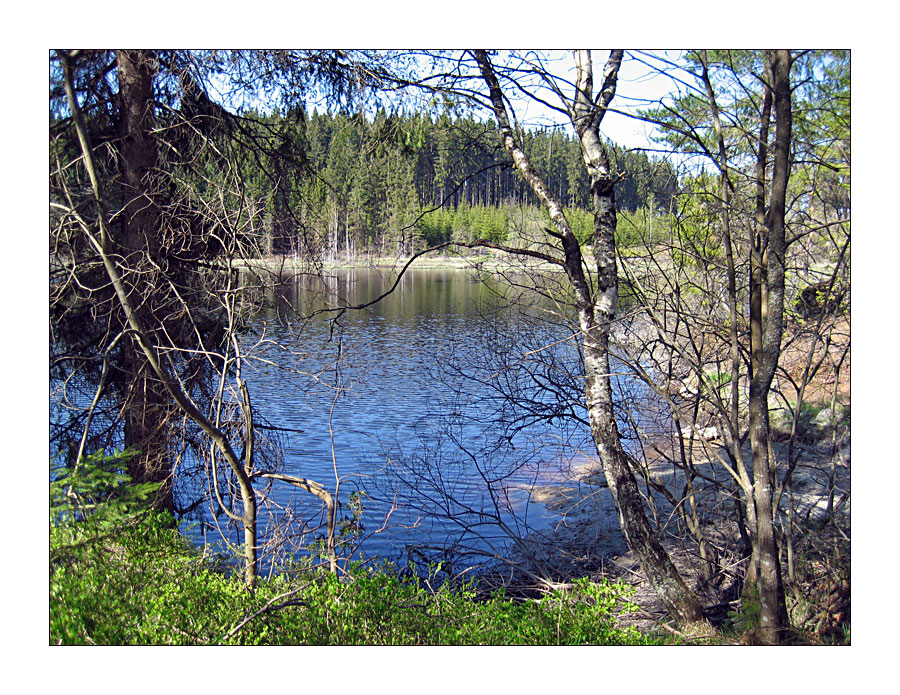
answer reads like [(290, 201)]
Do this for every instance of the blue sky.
[(637, 86)]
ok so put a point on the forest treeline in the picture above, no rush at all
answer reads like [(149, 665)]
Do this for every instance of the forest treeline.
[(391, 183)]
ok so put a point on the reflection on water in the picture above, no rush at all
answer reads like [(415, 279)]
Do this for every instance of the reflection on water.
[(410, 405)]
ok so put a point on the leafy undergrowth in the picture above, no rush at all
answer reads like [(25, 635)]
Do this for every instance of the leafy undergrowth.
[(141, 582)]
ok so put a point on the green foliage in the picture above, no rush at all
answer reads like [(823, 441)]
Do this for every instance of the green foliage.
[(642, 227), (378, 606), (818, 299), (111, 587), (436, 226), (696, 227), (811, 417), (746, 617), (98, 487), (504, 224), (120, 574), (718, 380), (582, 223), (375, 174), (145, 584), (642, 182)]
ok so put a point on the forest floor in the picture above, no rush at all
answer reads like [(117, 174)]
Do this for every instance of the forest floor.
[(586, 540), (584, 536)]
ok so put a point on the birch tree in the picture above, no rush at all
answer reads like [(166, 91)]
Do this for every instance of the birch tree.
[(596, 302)]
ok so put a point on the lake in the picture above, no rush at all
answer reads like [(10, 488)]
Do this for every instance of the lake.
[(433, 413), (422, 409)]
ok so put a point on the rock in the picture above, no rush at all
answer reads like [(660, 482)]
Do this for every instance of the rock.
[(688, 391), (816, 300), (824, 417), (706, 434)]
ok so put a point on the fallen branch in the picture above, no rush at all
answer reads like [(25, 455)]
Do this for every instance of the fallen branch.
[(319, 491), (268, 608)]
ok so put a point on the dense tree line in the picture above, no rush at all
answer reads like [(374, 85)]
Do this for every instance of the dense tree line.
[(390, 183)]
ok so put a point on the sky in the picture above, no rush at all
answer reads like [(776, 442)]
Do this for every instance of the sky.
[(637, 86)]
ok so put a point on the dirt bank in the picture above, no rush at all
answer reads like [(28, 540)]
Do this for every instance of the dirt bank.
[(585, 538)]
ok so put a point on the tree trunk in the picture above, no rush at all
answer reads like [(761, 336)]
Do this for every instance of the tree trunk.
[(596, 311), (766, 327), (147, 405), (745, 505), (679, 600), (143, 338)]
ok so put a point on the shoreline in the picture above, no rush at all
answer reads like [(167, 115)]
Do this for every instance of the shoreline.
[(491, 261), (585, 540)]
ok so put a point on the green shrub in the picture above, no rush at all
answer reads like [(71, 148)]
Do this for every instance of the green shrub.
[(147, 585), (121, 574), (98, 487)]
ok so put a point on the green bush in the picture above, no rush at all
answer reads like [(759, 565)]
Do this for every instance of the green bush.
[(143, 583), (146, 585), (97, 487), (121, 574), (717, 382)]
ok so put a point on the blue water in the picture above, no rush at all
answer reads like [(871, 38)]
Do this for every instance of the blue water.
[(429, 415), (407, 414)]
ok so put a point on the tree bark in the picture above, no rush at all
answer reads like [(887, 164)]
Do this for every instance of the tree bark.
[(596, 312), (147, 404), (744, 505), (149, 349), (766, 328)]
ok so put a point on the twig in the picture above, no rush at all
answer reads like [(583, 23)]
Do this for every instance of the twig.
[(267, 608)]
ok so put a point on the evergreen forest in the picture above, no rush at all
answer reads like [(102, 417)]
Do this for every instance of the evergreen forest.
[(394, 184)]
